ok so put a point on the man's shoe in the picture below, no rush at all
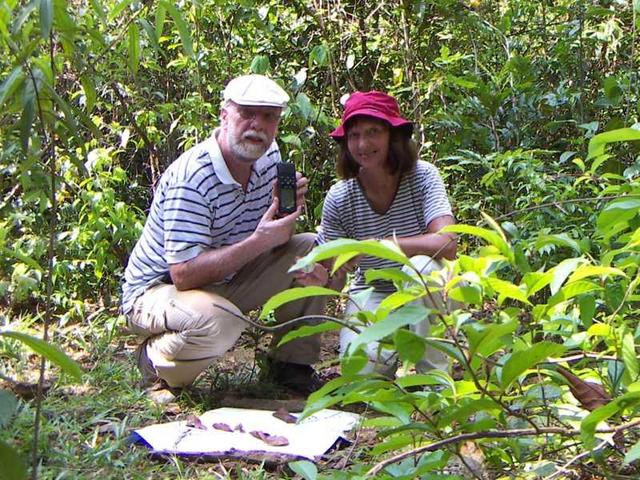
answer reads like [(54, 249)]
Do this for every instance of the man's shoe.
[(297, 377)]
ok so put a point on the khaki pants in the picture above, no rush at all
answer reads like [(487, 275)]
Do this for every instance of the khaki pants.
[(185, 331), (385, 361)]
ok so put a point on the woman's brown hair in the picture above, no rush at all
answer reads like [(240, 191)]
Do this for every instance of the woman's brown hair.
[(403, 151)]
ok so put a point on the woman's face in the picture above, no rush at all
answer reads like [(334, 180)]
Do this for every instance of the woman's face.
[(368, 142)]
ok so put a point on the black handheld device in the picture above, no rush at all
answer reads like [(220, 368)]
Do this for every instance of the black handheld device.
[(286, 188)]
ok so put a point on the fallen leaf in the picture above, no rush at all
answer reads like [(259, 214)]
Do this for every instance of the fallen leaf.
[(195, 422), (273, 440), (590, 394), (222, 426), (239, 428), (284, 415)]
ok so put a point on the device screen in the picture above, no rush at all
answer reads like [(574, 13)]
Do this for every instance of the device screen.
[(287, 198)]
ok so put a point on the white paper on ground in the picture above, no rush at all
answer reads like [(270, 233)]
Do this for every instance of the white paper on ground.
[(310, 438)]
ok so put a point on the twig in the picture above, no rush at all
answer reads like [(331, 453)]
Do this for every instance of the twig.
[(515, 433), (560, 202), (280, 326), (563, 469)]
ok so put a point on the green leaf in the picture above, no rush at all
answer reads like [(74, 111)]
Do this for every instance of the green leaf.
[(382, 249), (119, 8), (561, 239), (319, 55), (410, 347), (487, 339), (46, 18), (587, 305), (562, 271), (433, 377), (617, 211), (508, 290), (134, 48), (599, 142), (352, 364), (183, 28), (8, 404), (308, 330), (591, 421), (293, 294), (11, 84), (630, 358), (50, 352), (634, 452), (161, 15), (26, 121), (585, 271), (407, 315), (390, 274), (89, 90), (304, 105), (572, 290), (260, 64), (12, 465), (521, 361), (469, 294), (493, 238), (305, 469)]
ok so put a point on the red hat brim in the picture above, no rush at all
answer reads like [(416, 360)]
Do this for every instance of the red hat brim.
[(369, 112)]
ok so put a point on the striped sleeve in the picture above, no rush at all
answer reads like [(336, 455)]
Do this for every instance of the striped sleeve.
[(186, 222), (434, 194), (331, 225)]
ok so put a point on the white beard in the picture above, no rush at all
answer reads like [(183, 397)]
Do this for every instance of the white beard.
[(245, 148)]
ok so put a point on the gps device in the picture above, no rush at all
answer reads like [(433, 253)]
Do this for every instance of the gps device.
[(286, 188)]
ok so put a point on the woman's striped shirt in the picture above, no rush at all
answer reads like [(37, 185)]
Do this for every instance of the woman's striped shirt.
[(421, 198)]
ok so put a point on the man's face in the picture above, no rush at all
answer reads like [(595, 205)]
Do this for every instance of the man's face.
[(249, 130)]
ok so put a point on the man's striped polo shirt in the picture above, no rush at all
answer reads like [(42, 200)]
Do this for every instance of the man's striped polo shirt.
[(197, 206)]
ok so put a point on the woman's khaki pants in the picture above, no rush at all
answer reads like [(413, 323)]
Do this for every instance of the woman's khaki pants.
[(186, 330)]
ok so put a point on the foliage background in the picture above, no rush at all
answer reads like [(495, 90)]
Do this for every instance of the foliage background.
[(99, 96)]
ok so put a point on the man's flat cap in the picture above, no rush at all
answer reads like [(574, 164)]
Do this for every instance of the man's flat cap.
[(255, 91)]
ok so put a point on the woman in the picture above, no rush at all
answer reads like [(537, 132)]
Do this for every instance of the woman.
[(384, 192)]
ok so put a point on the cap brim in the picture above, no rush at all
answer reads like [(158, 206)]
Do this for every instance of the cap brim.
[(367, 112), (252, 103)]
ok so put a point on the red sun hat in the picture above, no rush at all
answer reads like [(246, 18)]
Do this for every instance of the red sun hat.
[(371, 104)]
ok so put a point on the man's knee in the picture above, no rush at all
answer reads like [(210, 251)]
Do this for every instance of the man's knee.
[(425, 264), (301, 243)]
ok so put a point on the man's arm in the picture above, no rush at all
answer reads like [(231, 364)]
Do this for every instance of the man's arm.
[(436, 245), (215, 265)]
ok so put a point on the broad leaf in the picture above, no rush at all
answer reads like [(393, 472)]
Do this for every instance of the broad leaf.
[(591, 421), (521, 361), (8, 404), (351, 365), (585, 271), (572, 290), (616, 212), (308, 330), (630, 358), (12, 465), (508, 290), (562, 271), (11, 84), (46, 18), (390, 274), (134, 48), (599, 142), (490, 236), (50, 352), (305, 469), (410, 347), (633, 454), (487, 339), (433, 377), (183, 28), (382, 249), (291, 295), (407, 315)]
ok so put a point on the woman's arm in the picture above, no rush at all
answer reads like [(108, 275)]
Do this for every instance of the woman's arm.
[(432, 243)]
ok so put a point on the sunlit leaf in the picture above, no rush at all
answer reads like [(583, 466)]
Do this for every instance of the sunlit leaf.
[(183, 28), (308, 330), (508, 290), (599, 142), (390, 274), (410, 347), (633, 453), (353, 363), (522, 360), (616, 212), (11, 84), (562, 271), (292, 294), (134, 47), (50, 352), (260, 64), (407, 315), (630, 357), (493, 238)]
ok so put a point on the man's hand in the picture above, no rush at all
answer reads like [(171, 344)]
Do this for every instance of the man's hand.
[(273, 231)]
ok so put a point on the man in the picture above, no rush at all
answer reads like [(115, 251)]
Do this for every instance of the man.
[(213, 244)]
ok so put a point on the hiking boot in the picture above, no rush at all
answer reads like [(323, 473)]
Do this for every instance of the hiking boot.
[(297, 377), (148, 372)]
